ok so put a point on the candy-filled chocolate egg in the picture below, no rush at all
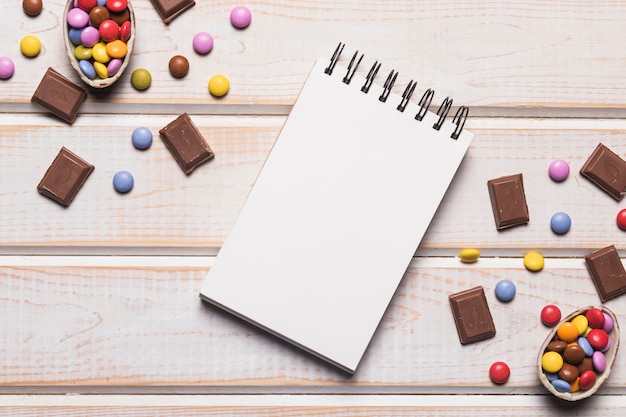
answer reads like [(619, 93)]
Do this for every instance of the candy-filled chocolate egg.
[(99, 39), (576, 358)]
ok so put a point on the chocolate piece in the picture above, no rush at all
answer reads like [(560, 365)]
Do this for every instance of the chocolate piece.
[(607, 272), (472, 316), (606, 170), (186, 143), (59, 95), (170, 9), (64, 177), (508, 201)]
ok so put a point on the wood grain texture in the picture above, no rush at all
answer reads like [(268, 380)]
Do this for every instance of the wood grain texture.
[(483, 53), (167, 209), (92, 328)]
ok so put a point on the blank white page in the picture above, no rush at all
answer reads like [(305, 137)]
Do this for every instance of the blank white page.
[(334, 217)]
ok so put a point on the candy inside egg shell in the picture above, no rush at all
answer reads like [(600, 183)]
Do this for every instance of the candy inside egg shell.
[(99, 77), (609, 355)]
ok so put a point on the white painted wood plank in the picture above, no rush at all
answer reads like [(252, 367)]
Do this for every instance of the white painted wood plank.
[(300, 405), (144, 329), (487, 53), (171, 213)]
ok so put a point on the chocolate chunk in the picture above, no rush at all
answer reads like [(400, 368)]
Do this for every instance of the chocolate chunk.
[(508, 201), (64, 177), (606, 170), (186, 143), (170, 9), (472, 316), (59, 95), (607, 272)]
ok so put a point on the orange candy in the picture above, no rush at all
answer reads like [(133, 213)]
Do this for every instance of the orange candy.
[(117, 49), (567, 332)]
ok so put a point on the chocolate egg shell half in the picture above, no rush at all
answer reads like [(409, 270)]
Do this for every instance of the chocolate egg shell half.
[(610, 356), (69, 47)]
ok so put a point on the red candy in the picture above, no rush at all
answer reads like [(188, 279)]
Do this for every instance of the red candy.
[(87, 5), (550, 315), (621, 219), (499, 372), (109, 30), (598, 338), (587, 380), (125, 31), (116, 5), (595, 317)]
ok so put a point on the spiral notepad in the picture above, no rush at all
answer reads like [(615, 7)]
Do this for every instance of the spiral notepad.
[(338, 210)]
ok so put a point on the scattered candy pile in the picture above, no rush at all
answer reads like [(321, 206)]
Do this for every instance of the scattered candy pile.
[(100, 31), (575, 357)]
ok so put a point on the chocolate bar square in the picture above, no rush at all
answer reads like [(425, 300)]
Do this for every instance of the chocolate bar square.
[(606, 170), (607, 272), (64, 177), (186, 143), (508, 201), (59, 95), (170, 9), (472, 316)]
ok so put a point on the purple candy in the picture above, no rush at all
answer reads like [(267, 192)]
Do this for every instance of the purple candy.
[(558, 170), (607, 347), (202, 43), (6, 67), (114, 66), (89, 36), (77, 18), (240, 17), (608, 323), (599, 361)]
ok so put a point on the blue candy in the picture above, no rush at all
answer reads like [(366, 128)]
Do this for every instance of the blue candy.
[(123, 181), (74, 35), (505, 290), (551, 376), (87, 68), (560, 223), (585, 345), (102, 2), (561, 385), (142, 138)]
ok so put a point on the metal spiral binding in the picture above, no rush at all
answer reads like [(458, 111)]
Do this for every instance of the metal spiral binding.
[(443, 111), (424, 104), (406, 96), (459, 118), (351, 71), (389, 82)]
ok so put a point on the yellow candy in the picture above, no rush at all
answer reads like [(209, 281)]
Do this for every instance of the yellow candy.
[(533, 261), (82, 52), (101, 69), (117, 49), (586, 333), (469, 255), (219, 85), (99, 53), (30, 45), (581, 323), (551, 362), (567, 332)]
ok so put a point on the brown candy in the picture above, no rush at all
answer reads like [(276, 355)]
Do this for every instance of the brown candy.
[(98, 15), (568, 373), (179, 66), (585, 365), (32, 7), (574, 355), (558, 346), (120, 17)]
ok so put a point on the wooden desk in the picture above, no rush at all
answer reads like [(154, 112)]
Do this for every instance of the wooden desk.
[(101, 299)]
